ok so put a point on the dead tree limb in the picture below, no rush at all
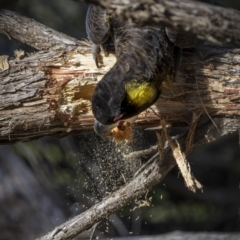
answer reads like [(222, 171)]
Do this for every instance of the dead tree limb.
[(151, 175), (213, 23), (49, 92), (34, 33)]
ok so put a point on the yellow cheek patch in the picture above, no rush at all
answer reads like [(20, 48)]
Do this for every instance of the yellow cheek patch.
[(140, 93)]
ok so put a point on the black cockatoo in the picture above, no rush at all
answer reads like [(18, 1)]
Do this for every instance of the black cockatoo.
[(145, 58)]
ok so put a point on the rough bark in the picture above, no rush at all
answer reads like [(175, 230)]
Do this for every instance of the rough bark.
[(49, 92), (27, 31), (213, 23)]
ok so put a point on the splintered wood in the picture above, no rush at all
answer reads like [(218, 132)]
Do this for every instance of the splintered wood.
[(4, 62), (180, 157), (124, 134)]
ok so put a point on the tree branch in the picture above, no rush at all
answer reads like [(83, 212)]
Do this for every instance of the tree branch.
[(151, 175), (180, 235), (33, 33), (212, 23), (49, 92)]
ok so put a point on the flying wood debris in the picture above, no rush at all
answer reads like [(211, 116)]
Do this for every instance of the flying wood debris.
[(190, 181)]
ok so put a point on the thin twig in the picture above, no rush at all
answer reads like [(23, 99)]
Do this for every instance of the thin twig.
[(93, 230), (191, 131), (141, 153), (150, 161)]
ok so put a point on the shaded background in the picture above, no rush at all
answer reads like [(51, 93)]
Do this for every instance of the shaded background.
[(45, 182)]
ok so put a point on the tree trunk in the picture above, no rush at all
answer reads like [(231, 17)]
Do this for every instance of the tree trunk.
[(48, 93)]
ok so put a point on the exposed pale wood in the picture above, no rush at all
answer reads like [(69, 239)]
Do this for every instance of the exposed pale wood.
[(49, 92)]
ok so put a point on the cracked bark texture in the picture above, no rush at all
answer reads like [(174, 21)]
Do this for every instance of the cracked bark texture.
[(180, 235), (49, 92)]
